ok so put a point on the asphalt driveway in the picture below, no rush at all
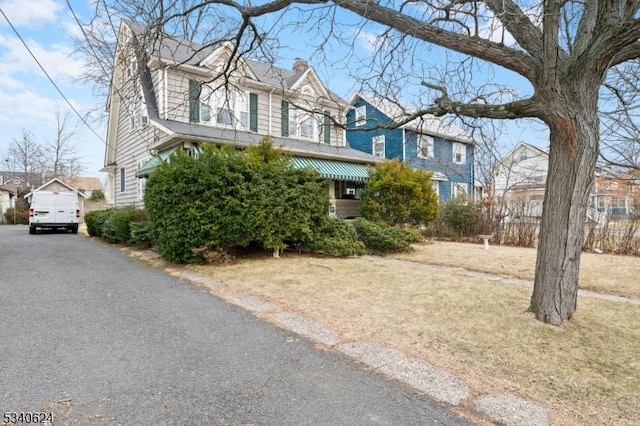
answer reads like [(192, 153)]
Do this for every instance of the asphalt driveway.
[(96, 337)]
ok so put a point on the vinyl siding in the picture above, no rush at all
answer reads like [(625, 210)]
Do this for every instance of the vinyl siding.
[(132, 145), (361, 139)]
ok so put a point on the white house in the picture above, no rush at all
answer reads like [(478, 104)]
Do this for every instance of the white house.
[(520, 179)]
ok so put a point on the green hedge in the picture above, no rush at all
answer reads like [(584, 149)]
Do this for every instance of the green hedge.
[(380, 238), (226, 198), (114, 225), (337, 238)]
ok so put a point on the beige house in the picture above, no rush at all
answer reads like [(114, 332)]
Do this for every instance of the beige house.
[(169, 94)]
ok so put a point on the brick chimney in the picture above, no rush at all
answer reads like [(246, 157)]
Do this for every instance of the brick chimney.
[(300, 66)]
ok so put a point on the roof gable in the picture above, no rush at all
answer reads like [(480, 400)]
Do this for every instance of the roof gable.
[(58, 181)]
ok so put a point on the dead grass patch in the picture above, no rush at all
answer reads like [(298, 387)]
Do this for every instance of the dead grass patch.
[(586, 372), (601, 273)]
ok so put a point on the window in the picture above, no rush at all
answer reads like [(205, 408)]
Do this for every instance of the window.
[(132, 65), (361, 115), (143, 117), (307, 90), (425, 146), (195, 88), (326, 127), (459, 153), (377, 146), (284, 121), (131, 109), (303, 124), (458, 189), (231, 108), (122, 180)]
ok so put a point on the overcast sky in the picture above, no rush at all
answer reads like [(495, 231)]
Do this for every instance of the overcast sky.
[(28, 100)]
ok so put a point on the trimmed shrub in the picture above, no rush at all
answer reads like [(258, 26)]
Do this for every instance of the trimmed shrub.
[(118, 226), (381, 238), (225, 198), (398, 194), (337, 237), (140, 234), (95, 220), (464, 218), (113, 225)]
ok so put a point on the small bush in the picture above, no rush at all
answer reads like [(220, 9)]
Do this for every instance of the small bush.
[(464, 218), (337, 238), (118, 228), (140, 234), (113, 225), (94, 221), (380, 238), (21, 215), (97, 195)]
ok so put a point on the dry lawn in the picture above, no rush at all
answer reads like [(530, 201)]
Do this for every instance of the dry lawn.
[(586, 372), (602, 273)]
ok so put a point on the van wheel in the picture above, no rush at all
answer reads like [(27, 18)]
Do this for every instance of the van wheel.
[(32, 229), (74, 229)]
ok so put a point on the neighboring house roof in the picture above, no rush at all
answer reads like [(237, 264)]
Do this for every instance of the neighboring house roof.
[(4, 189), (83, 183), (524, 145), (427, 124), (49, 182)]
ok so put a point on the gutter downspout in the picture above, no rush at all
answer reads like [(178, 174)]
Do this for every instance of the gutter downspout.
[(404, 145)]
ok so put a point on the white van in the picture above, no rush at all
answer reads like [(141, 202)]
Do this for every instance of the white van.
[(53, 209)]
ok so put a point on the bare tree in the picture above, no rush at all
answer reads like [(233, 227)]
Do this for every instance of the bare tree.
[(60, 154), (25, 155), (564, 49)]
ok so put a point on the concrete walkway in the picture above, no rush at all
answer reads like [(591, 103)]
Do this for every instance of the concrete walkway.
[(503, 408)]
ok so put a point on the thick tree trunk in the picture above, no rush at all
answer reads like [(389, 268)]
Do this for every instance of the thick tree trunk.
[(572, 158)]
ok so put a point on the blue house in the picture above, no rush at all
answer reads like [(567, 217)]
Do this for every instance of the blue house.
[(426, 142)]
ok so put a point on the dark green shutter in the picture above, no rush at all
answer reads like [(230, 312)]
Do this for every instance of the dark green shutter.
[(253, 112), (194, 101), (285, 118), (327, 127)]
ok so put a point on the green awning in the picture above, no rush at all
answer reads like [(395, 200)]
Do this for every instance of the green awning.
[(148, 167), (334, 169)]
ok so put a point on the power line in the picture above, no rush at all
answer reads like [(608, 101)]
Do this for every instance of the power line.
[(49, 77)]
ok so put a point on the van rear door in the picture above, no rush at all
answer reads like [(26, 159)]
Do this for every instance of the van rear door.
[(65, 206)]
